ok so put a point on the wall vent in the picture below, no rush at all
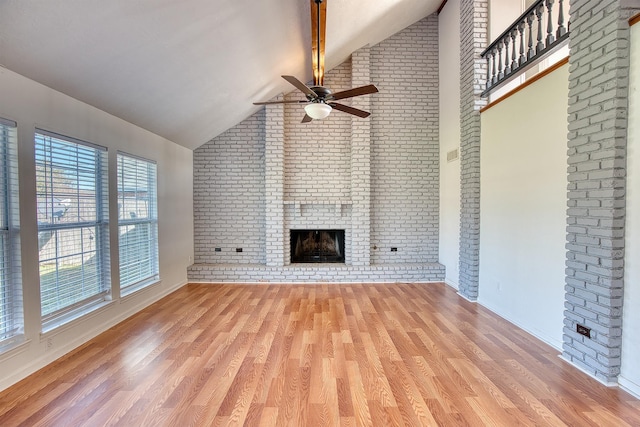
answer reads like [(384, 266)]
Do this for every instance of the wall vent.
[(452, 155)]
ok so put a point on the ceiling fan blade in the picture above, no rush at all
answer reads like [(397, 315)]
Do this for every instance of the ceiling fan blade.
[(318, 30), (281, 102), (306, 119), (301, 86), (350, 110), (358, 91)]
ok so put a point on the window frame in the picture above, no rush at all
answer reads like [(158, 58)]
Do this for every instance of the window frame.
[(11, 298), (99, 224), (150, 220)]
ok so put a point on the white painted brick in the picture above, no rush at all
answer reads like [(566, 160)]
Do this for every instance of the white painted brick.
[(473, 39), (404, 202), (375, 178), (598, 82)]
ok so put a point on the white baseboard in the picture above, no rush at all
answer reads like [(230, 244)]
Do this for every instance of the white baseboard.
[(629, 386), (590, 374), (451, 283), (547, 340), (466, 297)]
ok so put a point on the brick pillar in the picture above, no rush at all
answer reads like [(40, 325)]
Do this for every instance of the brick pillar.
[(361, 163), (598, 91), (274, 185), (473, 39)]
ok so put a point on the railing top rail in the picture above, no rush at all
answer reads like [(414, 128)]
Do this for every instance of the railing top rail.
[(519, 20)]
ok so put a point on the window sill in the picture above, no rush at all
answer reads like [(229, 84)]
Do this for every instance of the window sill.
[(13, 347), (132, 290), (68, 321)]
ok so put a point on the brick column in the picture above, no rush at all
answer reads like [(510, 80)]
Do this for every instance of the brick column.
[(473, 39), (598, 91), (274, 185), (361, 163)]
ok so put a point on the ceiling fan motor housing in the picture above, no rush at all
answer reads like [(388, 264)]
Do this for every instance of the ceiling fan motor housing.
[(323, 93)]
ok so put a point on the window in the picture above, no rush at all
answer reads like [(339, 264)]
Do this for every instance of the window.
[(137, 222), (11, 319), (71, 183)]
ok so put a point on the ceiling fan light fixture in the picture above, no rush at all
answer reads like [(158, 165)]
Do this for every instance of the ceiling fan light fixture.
[(317, 110)]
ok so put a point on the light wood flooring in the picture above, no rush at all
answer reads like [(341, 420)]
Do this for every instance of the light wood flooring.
[(314, 355)]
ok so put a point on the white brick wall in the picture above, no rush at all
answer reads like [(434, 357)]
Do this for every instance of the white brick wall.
[(274, 184), (317, 154), (360, 248), (376, 178), (229, 195), (597, 148), (473, 39), (404, 152)]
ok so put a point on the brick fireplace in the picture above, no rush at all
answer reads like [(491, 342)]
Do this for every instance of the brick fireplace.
[(376, 179)]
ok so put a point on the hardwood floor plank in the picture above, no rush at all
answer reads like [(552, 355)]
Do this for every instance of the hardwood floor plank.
[(413, 408), (268, 418), (18, 413), (518, 392), (361, 410), (268, 373), (321, 355), (372, 371), (343, 395)]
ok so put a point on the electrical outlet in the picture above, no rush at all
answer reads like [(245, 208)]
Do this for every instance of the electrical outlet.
[(394, 249), (583, 330), (49, 343)]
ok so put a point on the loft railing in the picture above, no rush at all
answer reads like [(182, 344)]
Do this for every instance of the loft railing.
[(531, 38)]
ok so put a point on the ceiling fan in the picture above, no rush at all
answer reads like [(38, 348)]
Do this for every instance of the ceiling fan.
[(320, 100)]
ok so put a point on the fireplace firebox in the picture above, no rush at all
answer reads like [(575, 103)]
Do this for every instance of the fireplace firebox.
[(317, 246)]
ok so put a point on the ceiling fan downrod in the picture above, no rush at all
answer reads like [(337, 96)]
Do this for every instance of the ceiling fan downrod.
[(318, 79)]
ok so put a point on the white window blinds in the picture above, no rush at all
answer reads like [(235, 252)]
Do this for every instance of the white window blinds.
[(137, 221), (71, 181), (11, 319)]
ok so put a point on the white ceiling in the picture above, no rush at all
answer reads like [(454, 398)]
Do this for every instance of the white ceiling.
[(185, 69)]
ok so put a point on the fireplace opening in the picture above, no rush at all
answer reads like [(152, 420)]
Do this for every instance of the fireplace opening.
[(317, 246)]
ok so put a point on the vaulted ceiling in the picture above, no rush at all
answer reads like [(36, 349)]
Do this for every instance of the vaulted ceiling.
[(185, 69)]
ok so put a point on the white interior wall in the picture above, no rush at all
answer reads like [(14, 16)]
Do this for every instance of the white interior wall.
[(630, 370), (502, 13), (449, 74), (33, 105), (523, 207)]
